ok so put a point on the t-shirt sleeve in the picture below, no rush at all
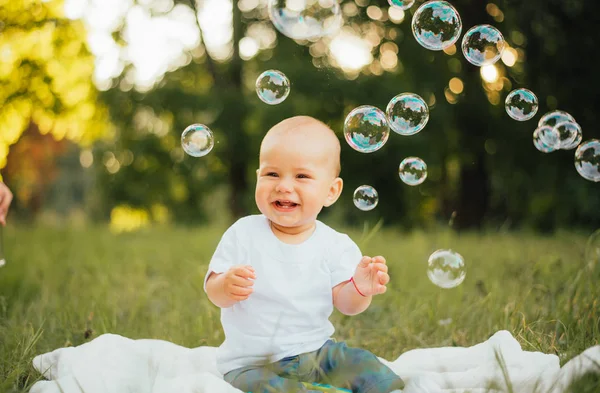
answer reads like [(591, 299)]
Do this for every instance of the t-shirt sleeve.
[(225, 256), (344, 260)]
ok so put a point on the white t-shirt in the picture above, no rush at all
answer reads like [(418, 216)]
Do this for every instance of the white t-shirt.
[(288, 312)]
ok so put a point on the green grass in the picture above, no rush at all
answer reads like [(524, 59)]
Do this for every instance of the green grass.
[(64, 287)]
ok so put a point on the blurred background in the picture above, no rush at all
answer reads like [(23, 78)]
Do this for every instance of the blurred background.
[(96, 93)]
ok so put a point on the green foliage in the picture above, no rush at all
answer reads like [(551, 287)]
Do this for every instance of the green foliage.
[(483, 167), (75, 285), (46, 76)]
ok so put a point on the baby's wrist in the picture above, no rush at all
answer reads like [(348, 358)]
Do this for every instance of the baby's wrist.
[(361, 293)]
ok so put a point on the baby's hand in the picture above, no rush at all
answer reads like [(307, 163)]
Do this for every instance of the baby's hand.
[(238, 281), (371, 276)]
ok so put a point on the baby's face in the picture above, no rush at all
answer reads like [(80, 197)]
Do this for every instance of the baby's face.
[(295, 179)]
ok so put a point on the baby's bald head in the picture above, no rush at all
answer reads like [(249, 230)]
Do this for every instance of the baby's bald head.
[(305, 132)]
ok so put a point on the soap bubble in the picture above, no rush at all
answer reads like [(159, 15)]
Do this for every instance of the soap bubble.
[(413, 171), (592, 249), (521, 104), (366, 129), (305, 19), (272, 87), (404, 4), (407, 114), (197, 140), (365, 198), (569, 132), (553, 118), (446, 268), (546, 139), (483, 45), (436, 25), (576, 141), (587, 160)]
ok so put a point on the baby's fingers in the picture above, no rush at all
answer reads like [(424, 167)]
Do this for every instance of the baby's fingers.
[(379, 267), (241, 281), (245, 271), (379, 259), (240, 291), (384, 278), (238, 298), (365, 262)]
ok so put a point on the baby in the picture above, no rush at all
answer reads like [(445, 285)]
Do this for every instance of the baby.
[(278, 275)]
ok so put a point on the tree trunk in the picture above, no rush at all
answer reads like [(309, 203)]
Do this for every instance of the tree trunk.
[(474, 190), (235, 111)]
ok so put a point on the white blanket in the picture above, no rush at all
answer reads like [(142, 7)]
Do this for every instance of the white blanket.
[(114, 364)]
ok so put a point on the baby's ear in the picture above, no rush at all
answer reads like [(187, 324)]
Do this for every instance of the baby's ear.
[(335, 190), (257, 171)]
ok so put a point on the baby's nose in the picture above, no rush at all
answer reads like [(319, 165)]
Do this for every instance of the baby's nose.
[(284, 186)]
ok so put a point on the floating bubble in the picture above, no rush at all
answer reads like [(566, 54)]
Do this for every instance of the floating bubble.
[(272, 87), (521, 104), (413, 171), (404, 4), (483, 45), (305, 19), (197, 140), (546, 139), (576, 141), (592, 249), (365, 198), (553, 118), (407, 114), (550, 137), (446, 268), (587, 160), (436, 25), (366, 129), (569, 132)]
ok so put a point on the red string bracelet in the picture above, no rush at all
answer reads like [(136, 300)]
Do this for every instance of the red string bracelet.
[(357, 290)]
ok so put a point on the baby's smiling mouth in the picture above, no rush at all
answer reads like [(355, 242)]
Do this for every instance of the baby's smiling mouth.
[(285, 203)]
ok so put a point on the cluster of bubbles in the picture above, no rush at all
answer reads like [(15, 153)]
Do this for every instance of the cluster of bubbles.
[(558, 130), (562, 130), (436, 25), (367, 129)]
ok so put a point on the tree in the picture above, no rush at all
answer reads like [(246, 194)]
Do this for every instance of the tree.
[(482, 164), (45, 79)]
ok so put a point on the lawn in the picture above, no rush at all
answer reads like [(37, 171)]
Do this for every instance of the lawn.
[(64, 287)]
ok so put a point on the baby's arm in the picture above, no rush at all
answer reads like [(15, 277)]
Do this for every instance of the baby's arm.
[(348, 301), (370, 278), (226, 289)]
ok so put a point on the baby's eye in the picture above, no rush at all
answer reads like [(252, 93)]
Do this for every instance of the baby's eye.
[(272, 174), (303, 176)]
